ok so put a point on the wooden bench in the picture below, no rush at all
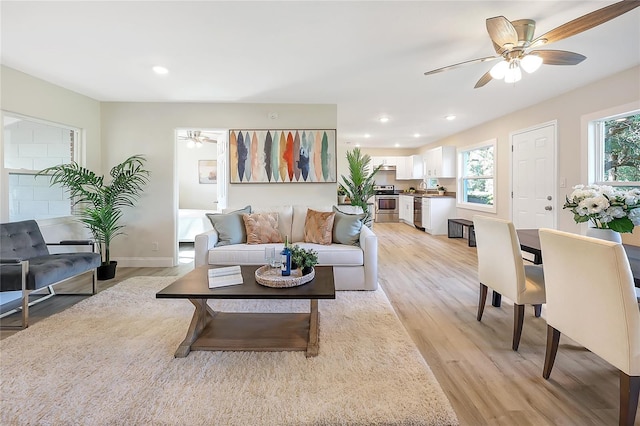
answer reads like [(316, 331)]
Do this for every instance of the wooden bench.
[(456, 230)]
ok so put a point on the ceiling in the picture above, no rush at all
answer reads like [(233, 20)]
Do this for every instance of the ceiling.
[(368, 57)]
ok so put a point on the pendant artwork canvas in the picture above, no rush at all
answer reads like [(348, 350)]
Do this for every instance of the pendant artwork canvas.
[(282, 156)]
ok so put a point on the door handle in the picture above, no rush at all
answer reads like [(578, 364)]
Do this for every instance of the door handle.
[(548, 208)]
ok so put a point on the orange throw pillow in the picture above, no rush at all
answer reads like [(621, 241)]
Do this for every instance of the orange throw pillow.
[(262, 228), (318, 227)]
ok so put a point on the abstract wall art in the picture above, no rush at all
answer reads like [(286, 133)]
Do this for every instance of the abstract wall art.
[(282, 156), (208, 171)]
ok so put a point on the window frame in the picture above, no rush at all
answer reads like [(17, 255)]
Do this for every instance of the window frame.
[(460, 152), (76, 155), (596, 142)]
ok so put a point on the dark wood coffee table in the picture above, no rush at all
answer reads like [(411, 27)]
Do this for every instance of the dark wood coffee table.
[(240, 331)]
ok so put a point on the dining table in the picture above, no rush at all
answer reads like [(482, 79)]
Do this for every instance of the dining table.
[(530, 243)]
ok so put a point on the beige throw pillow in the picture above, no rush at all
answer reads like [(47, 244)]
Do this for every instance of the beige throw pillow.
[(262, 228), (318, 227)]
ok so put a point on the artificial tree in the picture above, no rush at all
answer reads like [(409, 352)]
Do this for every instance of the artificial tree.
[(359, 183), (98, 204)]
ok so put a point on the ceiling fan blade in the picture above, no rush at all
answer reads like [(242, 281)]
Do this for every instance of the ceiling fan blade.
[(588, 21), (502, 32), (450, 67), (559, 57), (483, 80)]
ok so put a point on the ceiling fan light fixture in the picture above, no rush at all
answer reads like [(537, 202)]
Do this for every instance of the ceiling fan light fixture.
[(513, 74), (190, 144), (531, 63), (499, 70)]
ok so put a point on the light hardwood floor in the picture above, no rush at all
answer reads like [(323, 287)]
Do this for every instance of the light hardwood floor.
[(431, 283)]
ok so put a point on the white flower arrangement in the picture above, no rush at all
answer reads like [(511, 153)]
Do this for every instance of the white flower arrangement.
[(605, 206)]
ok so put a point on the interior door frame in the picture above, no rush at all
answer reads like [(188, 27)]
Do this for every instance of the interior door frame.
[(555, 202)]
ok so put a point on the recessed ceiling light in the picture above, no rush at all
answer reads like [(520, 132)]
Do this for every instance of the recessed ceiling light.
[(384, 119), (367, 135), (396, 145), (358, 145), (416, 135), (450, 117), (160, 70)]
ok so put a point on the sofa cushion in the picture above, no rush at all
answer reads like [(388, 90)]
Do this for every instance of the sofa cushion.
[(241, 254), (336, 254), (318, 227), (299, 219), (229, 226), (253, 254), (346, 227), (262, 228), (285, 218)]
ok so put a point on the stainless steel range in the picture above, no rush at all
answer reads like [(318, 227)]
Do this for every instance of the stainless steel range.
[(387, 203)]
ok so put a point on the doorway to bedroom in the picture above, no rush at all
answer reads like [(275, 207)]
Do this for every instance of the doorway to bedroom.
[(199, 184)]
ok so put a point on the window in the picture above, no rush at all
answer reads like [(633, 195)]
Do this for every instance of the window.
[(617, 150), (476, 182), (31, 145)]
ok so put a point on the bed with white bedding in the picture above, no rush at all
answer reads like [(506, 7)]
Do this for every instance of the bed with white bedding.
[(192, 222)]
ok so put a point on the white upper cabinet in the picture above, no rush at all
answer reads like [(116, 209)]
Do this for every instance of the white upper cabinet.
[(384, 161), (440, 162), (409, 167)]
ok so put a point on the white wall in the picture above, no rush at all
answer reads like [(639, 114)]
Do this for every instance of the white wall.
[(22, 94), (149, 129)]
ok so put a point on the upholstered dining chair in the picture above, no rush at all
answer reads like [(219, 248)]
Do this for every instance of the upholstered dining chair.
[(501, 268), (591, 300)]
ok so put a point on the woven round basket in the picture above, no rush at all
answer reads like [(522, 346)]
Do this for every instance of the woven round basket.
[(272, 277)]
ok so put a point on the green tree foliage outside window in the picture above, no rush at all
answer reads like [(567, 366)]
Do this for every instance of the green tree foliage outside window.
[(478, 176), (622, 149)]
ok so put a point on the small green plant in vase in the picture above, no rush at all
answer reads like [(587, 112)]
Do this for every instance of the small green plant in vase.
[(441, 189), (296, 256), (309, 260), (303, 258)]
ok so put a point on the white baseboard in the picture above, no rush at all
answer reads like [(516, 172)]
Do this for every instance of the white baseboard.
[(144, 262)]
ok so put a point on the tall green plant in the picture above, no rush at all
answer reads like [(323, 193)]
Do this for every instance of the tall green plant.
[(359, 184), (98, 205)]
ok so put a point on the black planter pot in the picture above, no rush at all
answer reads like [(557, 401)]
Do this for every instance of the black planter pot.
[(107, 272), (307, 270)]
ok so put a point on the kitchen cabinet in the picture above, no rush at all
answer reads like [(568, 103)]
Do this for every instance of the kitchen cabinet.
[(384, 161), (435, 213), (440, 162), (410, 167), (405, 213)]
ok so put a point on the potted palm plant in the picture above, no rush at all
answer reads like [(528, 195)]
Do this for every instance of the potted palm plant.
[(98, 204), (359, 183)]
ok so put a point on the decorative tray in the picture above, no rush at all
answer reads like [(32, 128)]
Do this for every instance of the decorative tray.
[(272, 277)]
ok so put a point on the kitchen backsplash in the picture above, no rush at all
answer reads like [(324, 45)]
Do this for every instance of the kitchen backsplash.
[(388, 177)]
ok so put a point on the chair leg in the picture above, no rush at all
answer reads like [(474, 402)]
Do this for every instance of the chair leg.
[(629, 391), (518, 320), (482, 301), (537, 310), (553, 340)]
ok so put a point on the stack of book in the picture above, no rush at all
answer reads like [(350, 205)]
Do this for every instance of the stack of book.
[(221, 277)]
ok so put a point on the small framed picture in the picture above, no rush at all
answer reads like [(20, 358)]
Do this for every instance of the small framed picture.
[(208, 171)]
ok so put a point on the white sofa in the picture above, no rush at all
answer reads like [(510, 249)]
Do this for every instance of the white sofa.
[(355, 267)]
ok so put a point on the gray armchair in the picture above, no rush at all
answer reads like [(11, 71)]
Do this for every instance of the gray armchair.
[(26, 264)]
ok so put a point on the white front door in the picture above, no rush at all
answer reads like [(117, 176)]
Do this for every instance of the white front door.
[(534, 177)]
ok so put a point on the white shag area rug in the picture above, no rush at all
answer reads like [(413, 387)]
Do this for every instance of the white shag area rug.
[(108, 360)]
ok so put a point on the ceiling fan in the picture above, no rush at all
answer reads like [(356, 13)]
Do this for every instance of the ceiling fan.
[(513, 41), (196, 138)]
